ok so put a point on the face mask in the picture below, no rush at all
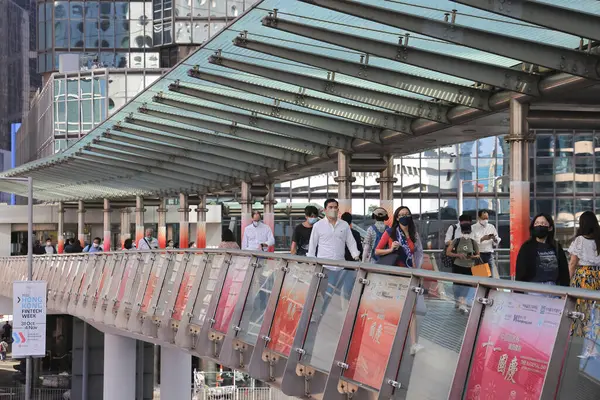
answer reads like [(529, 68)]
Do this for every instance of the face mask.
[(404, 220), (48, 243), (255, 223), (541, 232), (313, 221), (332, 213), (96, 245), (483, 222)]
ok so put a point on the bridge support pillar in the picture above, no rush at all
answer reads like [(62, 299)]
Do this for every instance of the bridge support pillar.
[(162, 223), (269, 209), (81, 223), (60, 246), (519, 138), (119, 367), (107, 233), (175, 374), (246, 203), (344, 181), (386, 182), (184, 221), (125, 226), (139, 218), (201, 223)]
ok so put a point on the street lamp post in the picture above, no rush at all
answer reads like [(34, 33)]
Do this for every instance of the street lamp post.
[(29, 181)]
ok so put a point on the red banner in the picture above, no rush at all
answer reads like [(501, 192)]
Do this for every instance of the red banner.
[(230, 293), (519, 220), (375, 328)]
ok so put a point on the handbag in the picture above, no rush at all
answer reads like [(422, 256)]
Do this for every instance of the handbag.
[(388, 259), (482, 269), (447, 262)]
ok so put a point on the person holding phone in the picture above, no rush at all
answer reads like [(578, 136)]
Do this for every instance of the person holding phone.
[(486, 236)]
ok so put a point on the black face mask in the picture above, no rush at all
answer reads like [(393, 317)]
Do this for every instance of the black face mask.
[(540, 232), (465, 228)]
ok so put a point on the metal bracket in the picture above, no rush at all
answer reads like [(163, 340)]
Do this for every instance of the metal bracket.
[(418, 290), (485, 301), (394, 383), (576, 315), (272, 359), (342, 365), (320, 275), (285, 268), (347, 388), (364, 281), (266, 339), (241, 348), (308, 373)]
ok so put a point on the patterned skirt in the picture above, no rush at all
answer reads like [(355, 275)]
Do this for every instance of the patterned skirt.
[(587, 277)]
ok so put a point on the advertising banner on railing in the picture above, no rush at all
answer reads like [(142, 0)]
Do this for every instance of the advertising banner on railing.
[(513, 346), (375, 328), (29, 319)]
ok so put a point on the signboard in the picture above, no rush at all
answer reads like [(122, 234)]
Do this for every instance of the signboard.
[(513, 346), (375, 328), (29, 319)]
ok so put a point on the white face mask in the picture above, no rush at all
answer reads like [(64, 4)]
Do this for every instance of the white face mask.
[(96, 244), (255, 223), (332, 213), (483, 222), (48, 243)]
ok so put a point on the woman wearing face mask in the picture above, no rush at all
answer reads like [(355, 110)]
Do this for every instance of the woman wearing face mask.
[(170, 245), (464, 252), (402, 239), (374, 234), (541, 259)]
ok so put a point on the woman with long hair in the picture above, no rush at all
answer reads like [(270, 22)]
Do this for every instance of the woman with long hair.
[(541, 258), (228, 240), (584, 269), (403, 240)]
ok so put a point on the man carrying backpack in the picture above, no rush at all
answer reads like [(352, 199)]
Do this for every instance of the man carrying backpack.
[(374, 234)]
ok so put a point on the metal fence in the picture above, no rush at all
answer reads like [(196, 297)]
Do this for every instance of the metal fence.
[(18, 393), (231, 393)]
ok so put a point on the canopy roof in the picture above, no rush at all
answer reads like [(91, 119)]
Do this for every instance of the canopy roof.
[(288, 84)]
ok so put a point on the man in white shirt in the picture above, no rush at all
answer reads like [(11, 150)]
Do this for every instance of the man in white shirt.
[(148, 242), (257, 235), (486, 236)]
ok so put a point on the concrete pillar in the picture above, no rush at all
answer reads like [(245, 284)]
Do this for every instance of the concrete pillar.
[(162, 223), (60, 246), (201, 224), (344, 181), (139, 218), (518, 139), (175, 374), (125, 226), (269, 210), (246, 203), (184, 221), (107, 235), (81, 223), (386, 182), (119, 367)]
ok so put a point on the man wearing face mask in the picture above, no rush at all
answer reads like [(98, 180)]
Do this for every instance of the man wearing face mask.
[(301, 237), (49, 249), (94, 247), (257, 235), (486, 236), (148, 242)]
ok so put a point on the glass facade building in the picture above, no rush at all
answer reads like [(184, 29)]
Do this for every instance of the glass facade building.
[(105, 34)]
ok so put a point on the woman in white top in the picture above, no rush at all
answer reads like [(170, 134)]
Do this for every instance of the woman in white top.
[(584, 269)]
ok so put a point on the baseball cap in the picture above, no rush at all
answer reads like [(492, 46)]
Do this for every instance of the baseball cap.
[(380, 212)]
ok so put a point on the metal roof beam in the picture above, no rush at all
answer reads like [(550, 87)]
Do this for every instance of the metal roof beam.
[(191, 142), (182, 160), (558, 18), (250, 144), (505, 78), (301, 137), (193, 181), (215, 155), (402, 104), (366, 132), (458, 94), (539, 53), (356, 113), (172, 165)]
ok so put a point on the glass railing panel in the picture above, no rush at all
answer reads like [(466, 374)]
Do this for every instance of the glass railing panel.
[(178, 262), (207, 288), (194, 269), (256, 301), (327, 318), (581, 372), (230, 293), (161, 262)]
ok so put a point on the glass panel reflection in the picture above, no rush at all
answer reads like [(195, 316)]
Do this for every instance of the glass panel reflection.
[(256, 302), (230, 292)]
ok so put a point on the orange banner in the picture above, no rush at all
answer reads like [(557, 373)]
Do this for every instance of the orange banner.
[(519, 220)]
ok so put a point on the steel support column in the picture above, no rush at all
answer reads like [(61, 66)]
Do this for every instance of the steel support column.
[(201, 223), (386, 182), (107, 236), (81, 223), (344, 181), (162, 223), (125, 226), (246, 202), (139, 218), (518, 139), (184, 221), (60, 246), (175, 373), (119, 367), (269, 210)]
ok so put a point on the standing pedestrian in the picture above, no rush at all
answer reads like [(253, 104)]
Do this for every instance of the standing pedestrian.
[(301, 236), (3, 350), (49, 249), (486, 236), (356, 235), (94, 247), (374, 234), (257, 235), (148, 242)]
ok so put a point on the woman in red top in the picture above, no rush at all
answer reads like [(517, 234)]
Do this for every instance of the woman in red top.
[(402, 238)]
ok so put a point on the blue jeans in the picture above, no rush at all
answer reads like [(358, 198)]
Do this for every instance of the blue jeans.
[(463, 291)]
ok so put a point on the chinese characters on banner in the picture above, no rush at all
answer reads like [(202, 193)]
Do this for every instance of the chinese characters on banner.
[(289, 309), (513, 346), (375, 328), (230, 293)]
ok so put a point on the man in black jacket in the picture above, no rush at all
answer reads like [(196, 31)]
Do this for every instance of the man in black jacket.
[(348, 218)]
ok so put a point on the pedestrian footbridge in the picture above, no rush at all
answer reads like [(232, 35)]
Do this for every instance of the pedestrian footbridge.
[(339, 331)]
